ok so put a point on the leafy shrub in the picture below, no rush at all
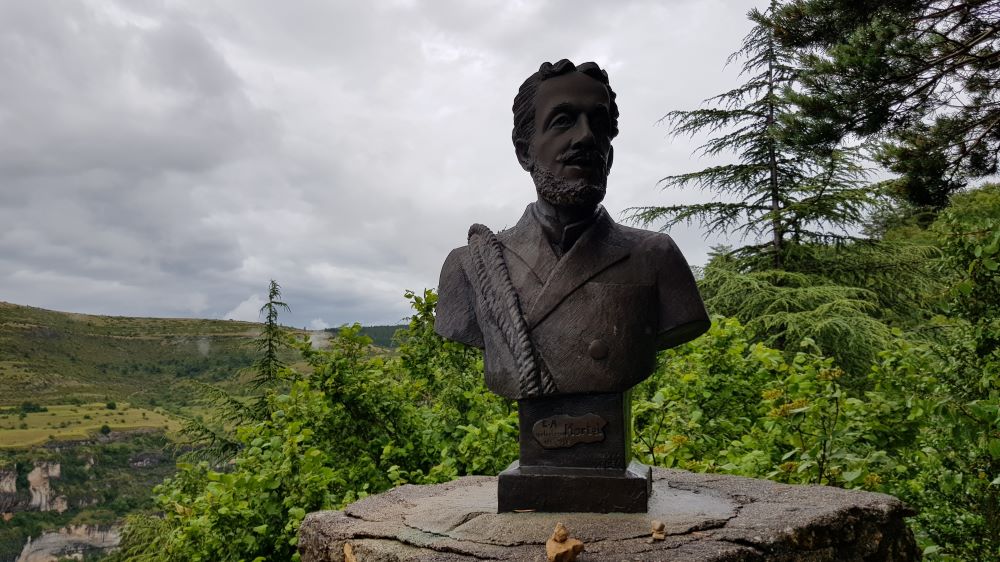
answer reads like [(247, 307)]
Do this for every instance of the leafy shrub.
[(361, 423)]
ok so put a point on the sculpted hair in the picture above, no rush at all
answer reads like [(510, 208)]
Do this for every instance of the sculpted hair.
[(524, 101)]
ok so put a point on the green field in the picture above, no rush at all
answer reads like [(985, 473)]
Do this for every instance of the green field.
[(77, 422)]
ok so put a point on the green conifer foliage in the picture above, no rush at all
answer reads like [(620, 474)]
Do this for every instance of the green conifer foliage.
[(923, 75), (775, 192), (214, 438)]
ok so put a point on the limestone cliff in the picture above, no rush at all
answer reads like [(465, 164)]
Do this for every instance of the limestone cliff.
[(70, 542), (8, 494), (8, 481), (39, 484)]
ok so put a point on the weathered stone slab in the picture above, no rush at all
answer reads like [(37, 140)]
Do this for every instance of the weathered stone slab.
[(707, 517)]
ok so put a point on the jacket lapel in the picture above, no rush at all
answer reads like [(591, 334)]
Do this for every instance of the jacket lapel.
[(528, 244), (594, 252)]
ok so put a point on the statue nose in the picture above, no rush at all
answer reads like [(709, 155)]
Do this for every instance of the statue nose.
[(583, 134)]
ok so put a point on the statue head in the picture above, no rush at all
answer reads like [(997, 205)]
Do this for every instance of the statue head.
[(565, 118)]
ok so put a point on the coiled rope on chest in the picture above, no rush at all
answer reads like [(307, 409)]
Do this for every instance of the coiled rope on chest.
[(499, 300)]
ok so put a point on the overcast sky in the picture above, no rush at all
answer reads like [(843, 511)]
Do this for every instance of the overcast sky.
[(168, 158)]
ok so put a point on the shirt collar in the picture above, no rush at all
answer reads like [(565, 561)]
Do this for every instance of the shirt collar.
[(561, 236)]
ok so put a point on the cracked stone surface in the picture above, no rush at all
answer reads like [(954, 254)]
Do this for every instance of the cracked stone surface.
[(708, 518)]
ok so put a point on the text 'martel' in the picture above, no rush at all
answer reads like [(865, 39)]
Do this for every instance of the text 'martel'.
[(558, 432)]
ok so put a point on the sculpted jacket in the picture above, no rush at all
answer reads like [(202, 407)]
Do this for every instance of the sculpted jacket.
[(597, 315)]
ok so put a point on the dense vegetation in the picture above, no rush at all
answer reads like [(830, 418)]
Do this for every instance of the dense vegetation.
[(882, 363), (359, 422)]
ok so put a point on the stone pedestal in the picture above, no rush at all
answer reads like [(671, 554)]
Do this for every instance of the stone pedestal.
[(707, 517)]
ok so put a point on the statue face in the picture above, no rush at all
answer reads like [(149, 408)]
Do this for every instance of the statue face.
[(572, 129)]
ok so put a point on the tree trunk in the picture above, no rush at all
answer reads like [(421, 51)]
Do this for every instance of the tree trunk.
[(772, 158)]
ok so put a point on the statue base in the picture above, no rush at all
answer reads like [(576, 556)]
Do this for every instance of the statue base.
[(574, 457), (595, 490)]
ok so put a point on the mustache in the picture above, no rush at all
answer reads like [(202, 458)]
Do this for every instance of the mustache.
[(582, 156)]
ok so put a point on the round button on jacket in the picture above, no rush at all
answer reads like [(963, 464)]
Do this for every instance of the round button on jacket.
[(598, 349)]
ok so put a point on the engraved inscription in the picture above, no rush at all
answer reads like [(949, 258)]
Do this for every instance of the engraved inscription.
[(562, 431)]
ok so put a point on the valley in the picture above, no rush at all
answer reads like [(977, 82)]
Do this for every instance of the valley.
[(90, 413)]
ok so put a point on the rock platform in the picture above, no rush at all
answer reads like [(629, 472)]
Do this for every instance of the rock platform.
[(707, 517)]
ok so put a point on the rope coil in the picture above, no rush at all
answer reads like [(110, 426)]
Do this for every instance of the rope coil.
[(499, 299)]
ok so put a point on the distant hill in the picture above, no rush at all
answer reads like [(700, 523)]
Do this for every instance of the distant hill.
[(48, 356), (51, 357), (382, 336)]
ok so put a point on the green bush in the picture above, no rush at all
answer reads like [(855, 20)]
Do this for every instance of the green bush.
[(31, 407), (361, 423)]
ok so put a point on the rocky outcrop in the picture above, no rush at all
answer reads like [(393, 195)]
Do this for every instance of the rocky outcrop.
[(9, 502), (8, 481), (39, 484), (702, 517), (147, 459), (60, 504), (74, 541)]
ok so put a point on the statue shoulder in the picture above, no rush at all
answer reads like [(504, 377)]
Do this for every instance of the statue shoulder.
[(457, 259), (455, 315), (646, 241), (455, 273)]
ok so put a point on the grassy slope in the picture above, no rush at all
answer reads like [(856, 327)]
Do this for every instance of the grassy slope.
[(49, 357), (77, 422)]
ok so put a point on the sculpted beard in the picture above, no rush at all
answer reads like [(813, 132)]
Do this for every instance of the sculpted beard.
[(564, 192)]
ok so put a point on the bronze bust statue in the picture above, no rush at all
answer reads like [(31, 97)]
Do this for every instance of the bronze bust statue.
[(569, 307), (593, 301)]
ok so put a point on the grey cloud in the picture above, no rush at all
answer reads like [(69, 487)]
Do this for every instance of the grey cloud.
[(113, 125), (170, 158)]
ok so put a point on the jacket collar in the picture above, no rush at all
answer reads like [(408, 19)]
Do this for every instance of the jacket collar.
[(598, 248), (561, 235)]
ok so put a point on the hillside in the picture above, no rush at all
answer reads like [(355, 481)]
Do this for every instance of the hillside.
[(96, 400), (54, 357)]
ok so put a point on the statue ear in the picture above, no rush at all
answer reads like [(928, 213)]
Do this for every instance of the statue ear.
[(611, 159), (523, 151)]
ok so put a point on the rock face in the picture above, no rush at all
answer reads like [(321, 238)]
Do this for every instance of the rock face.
[(8, 482), (706, 518), (41, 490), (8, 494), (70, 542)]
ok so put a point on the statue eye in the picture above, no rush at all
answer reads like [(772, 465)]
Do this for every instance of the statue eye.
[(561, 120)]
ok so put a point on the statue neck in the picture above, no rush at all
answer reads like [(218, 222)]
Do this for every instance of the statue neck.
[(564, 225), (565, 214)]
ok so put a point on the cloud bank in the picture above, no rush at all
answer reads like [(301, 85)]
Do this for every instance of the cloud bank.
[(168, 159)]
